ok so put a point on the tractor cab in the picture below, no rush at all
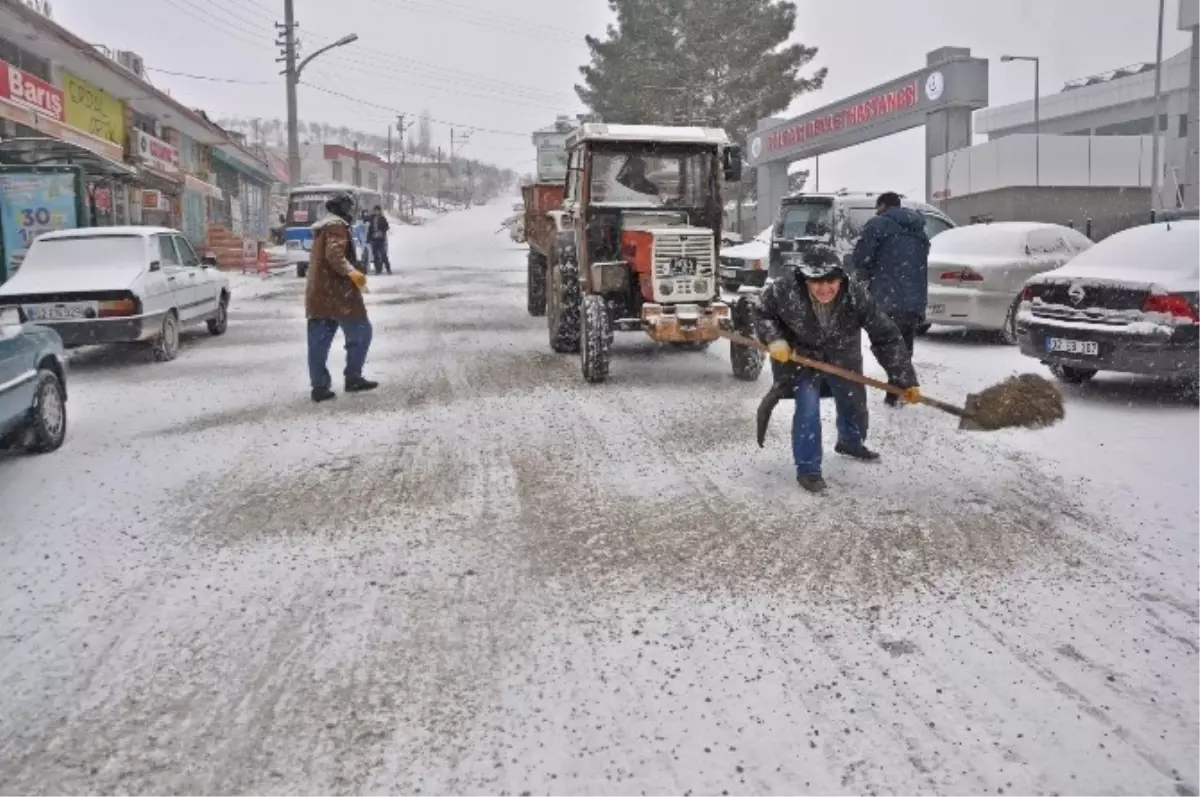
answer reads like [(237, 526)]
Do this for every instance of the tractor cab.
[(637, 239)]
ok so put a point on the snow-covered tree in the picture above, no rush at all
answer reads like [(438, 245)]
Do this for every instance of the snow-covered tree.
[(718, 63)]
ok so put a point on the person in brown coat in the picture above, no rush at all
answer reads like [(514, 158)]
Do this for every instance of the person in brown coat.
[(333, 299)]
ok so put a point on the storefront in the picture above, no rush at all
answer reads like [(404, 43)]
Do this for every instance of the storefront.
[(160, 181)]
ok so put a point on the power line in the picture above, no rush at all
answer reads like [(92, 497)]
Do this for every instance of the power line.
[(211, 79), (476, 128), (237, 33)]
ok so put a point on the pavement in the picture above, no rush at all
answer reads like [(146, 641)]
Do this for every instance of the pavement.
[(490, 577)]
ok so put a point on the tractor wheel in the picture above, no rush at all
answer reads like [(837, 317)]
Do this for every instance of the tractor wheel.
[(747, 362), (595, 339), (562, 306), (535, 286)]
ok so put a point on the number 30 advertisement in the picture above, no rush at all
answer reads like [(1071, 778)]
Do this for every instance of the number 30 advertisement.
[(31, 204)]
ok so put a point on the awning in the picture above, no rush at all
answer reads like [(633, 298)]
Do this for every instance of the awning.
[(33, 151), (151, 179), (200, 187)]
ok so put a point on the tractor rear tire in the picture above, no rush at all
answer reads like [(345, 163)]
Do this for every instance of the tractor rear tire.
[(747, 362), (562, 306), (535, 286), (595, 339)]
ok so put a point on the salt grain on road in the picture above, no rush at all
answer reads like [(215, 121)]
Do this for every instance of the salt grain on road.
[(488, 576)]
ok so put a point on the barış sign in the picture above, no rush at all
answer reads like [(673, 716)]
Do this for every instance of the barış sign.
[(156, 154), (21, 87), (951, 80)]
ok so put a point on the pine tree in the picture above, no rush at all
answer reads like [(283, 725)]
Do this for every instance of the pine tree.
[(716, 63)]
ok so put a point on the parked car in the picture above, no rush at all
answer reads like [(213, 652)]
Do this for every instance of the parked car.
[(746, 264), (1128, 304), (836, 219), (976, 273), (33, 385), (119, 285)]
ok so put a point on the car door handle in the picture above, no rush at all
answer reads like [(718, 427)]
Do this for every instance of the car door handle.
[(170, 279)]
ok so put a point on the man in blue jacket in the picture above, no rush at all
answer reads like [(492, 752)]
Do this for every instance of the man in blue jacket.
[(892, 260)]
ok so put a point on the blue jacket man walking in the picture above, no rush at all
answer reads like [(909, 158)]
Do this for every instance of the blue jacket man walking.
[(892, 260)]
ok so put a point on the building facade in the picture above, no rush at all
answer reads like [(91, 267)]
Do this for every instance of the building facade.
[(143, 157)]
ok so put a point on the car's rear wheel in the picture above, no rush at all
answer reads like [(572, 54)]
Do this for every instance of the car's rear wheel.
[(1072, 375), (220, 322), (48, 418), (1008, 333), (166, 345), (301, 270)]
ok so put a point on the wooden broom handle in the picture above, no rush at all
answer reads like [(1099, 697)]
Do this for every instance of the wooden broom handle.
[(845, 373)]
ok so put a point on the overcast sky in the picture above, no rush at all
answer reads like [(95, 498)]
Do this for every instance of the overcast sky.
[(507, 72)]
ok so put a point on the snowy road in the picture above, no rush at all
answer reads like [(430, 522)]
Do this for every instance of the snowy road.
[(490, 577)]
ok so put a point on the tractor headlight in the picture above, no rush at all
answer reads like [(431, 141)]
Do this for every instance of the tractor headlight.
[(664, 288), (700, 286)]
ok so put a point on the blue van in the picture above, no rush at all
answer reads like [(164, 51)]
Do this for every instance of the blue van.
[(306, 206)]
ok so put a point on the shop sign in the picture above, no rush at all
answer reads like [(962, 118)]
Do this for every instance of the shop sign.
[(32, 204), (92, 110), (153, 199), (156, 154), (19, 86)]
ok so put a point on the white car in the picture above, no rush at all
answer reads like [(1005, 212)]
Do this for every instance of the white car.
[(119, 285), (976, 272)]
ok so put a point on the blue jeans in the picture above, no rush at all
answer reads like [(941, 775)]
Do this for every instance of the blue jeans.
[(806, 423), (379, 254), (320, 339)]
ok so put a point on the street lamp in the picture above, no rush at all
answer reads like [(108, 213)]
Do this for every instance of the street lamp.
[(292, 77), (1037, 119)]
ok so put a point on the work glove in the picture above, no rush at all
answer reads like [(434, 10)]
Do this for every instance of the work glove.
[(780, 350), (359, 279), (911, 395)]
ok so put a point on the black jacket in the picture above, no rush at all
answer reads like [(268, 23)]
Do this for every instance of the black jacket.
[(892, 256), (787, 314), (379, 226)]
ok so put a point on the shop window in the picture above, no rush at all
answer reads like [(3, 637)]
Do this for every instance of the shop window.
[(337, 171), (1183, 123), (373, 181), (24, 60)]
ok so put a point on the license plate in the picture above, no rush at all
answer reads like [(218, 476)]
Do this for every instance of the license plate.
[(683, 266), (729, 272), (935, 309), (60, 312), (1089, 348)]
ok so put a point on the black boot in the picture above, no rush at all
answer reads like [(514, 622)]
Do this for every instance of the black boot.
[(891, 400), (320, 394), (812, 482), (858, 451), (358, 384)]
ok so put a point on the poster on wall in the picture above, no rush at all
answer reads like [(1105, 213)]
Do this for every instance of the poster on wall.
[(32, 204)]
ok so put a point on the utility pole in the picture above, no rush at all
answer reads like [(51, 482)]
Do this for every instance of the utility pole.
[(290, 77), (357, 168), (1155, 168), (438, 190), (387, 200)]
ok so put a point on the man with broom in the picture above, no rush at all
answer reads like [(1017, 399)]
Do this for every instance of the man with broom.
[(820, 313)]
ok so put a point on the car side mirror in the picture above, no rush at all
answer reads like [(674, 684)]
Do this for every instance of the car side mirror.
[(156, 265), (209, 260), (732, 163)]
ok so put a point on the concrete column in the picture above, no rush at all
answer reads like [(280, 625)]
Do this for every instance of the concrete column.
[(945, 131), (1191, 176), (772, 188)]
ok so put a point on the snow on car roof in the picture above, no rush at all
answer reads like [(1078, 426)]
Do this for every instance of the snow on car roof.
[(998, 238), (106, 232), (1165, 248), (648, 133)]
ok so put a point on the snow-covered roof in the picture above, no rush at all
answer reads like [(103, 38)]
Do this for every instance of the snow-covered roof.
[(329, 188), (648, 133), (105, 232)]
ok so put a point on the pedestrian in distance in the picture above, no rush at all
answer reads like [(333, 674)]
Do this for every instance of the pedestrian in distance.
[(333, 300), (892, 259), (377, 236), (819, 312)]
